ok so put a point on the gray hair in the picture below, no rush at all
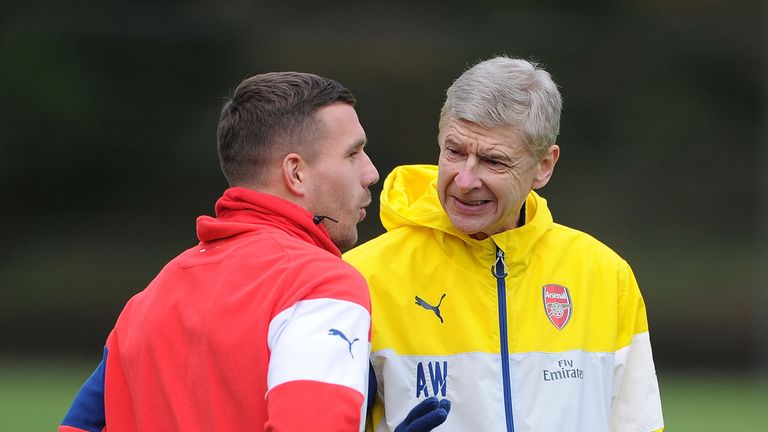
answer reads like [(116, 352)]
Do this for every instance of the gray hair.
[(505, 91)]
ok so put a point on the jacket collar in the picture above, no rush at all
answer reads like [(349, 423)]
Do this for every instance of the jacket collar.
[(242, 211)]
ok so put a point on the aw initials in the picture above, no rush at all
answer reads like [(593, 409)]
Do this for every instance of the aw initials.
[(438, 376)]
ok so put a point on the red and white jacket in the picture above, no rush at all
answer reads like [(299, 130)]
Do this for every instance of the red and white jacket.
[(261, 326)]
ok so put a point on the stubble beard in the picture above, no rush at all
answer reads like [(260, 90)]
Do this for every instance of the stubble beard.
[(344, 239)]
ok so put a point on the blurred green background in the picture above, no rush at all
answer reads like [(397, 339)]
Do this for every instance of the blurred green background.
[(108, 113)]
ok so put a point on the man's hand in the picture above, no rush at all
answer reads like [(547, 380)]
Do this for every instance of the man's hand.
[(425, 416)]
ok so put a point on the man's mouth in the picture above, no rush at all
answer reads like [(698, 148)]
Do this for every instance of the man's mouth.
[(473, 203), (362, 212), (470, 205)]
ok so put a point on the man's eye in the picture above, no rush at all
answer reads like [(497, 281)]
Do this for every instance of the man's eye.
[(495, 163)]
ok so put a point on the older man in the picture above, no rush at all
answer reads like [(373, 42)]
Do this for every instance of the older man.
[(479, 297)]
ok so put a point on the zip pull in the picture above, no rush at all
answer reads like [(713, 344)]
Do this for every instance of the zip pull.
[(499, 268)]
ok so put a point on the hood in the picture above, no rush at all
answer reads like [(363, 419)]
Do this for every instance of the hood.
[(241, 211), (409, 198)]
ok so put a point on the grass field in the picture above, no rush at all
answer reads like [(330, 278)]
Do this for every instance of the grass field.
[(35, 394)]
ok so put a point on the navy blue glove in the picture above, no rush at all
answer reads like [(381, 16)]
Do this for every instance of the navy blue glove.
[(425, 416)]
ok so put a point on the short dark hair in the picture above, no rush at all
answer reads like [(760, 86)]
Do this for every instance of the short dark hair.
[(272, 113)]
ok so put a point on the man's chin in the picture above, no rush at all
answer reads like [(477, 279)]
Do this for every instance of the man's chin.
[(346, 242), (465, 225)]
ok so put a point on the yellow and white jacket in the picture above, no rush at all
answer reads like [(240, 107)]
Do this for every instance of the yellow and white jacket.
[(557, 342)]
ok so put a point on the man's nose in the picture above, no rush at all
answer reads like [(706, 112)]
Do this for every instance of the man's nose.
[(370, 173), (467, 178)]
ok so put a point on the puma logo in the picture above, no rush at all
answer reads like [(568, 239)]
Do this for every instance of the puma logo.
[(427, 306), (334, 332)]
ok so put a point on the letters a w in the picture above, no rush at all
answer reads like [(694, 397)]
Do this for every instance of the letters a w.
[(438, 378)]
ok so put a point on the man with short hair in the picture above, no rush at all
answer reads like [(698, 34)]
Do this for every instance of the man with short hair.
[(478, 296), (261, 326)]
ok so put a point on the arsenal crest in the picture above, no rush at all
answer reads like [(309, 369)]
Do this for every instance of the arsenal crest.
[(557, 305)]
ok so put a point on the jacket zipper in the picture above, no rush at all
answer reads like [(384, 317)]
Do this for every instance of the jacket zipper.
[(499, 271)]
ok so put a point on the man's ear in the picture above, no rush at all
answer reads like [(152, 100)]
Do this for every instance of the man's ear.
[(294, 174), (546, 167)]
